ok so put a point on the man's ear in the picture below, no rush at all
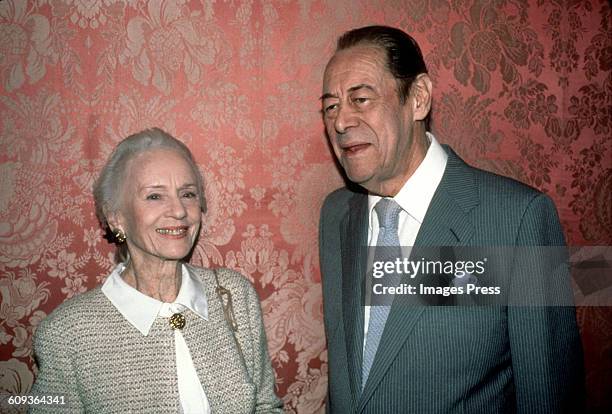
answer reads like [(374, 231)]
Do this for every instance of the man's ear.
[(420, 95)]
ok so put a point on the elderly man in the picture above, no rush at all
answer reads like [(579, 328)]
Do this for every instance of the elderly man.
[(412, 191)]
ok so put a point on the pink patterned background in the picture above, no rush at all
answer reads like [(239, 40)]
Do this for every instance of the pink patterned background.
[(523, 88)]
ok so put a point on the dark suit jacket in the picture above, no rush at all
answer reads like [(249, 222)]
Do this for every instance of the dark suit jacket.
[(450, 359)]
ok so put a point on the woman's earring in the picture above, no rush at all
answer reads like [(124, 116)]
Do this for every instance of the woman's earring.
[(119, 235)]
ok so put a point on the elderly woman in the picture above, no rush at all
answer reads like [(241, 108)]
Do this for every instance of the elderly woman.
[(159, 335)]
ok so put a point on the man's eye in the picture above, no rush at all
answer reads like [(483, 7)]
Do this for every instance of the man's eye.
[(190, 194), (154, 196), (330, 108), (360, 100)]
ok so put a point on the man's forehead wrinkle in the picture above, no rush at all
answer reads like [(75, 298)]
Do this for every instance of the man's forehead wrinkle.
[(352, 79), (354, 66), (337, 87)]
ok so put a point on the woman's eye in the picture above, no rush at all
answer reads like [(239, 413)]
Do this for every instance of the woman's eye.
[(153, 196), (190, 194)]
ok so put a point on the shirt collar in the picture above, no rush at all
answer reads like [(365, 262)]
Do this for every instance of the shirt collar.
[(141, 310), (416, 193)]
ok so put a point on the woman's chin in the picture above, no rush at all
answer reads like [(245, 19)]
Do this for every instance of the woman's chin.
[(171, 255)]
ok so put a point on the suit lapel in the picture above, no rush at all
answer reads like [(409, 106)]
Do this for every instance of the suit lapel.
[(445, 224), (354, 245)]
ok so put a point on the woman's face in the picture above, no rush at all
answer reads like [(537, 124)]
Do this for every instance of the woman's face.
[(160, 206)]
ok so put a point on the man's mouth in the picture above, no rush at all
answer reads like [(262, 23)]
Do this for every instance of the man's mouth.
[(354, 149)]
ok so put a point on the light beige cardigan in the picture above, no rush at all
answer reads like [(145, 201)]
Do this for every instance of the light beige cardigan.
[(87, 351)]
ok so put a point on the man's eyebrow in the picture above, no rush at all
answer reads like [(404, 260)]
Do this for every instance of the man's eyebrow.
[(351, 89), (360, 86)]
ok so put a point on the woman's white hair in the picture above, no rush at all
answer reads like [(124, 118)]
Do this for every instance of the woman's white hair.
[(108, 187)]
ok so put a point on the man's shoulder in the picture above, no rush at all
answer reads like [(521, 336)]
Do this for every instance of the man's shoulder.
[(511, 200), (339, 201), (491, 187), (338, 196), (501, 183), (495, 188)]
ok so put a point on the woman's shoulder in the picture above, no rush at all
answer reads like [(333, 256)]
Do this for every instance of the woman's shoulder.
[(227, 277), (75, 311)]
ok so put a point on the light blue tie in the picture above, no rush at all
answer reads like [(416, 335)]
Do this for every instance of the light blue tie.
[(388, 212)]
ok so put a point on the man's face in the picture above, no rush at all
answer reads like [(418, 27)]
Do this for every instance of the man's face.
[(370, 131)]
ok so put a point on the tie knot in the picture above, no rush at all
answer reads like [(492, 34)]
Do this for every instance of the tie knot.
[(388, 213)]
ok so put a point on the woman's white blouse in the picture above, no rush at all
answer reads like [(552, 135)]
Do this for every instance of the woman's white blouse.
[(141, 311)]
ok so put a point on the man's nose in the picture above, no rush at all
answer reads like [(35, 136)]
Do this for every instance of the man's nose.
[(345, 119)]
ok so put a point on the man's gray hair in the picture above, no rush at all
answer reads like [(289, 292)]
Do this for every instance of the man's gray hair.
[(108, 186)]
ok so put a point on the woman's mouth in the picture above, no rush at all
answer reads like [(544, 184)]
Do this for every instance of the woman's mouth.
[(172, 231)]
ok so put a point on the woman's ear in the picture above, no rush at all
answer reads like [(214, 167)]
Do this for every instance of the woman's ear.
[(421, 91), (114, 220)]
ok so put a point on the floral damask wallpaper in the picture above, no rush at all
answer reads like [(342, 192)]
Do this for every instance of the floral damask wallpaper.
[(522, 88)]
